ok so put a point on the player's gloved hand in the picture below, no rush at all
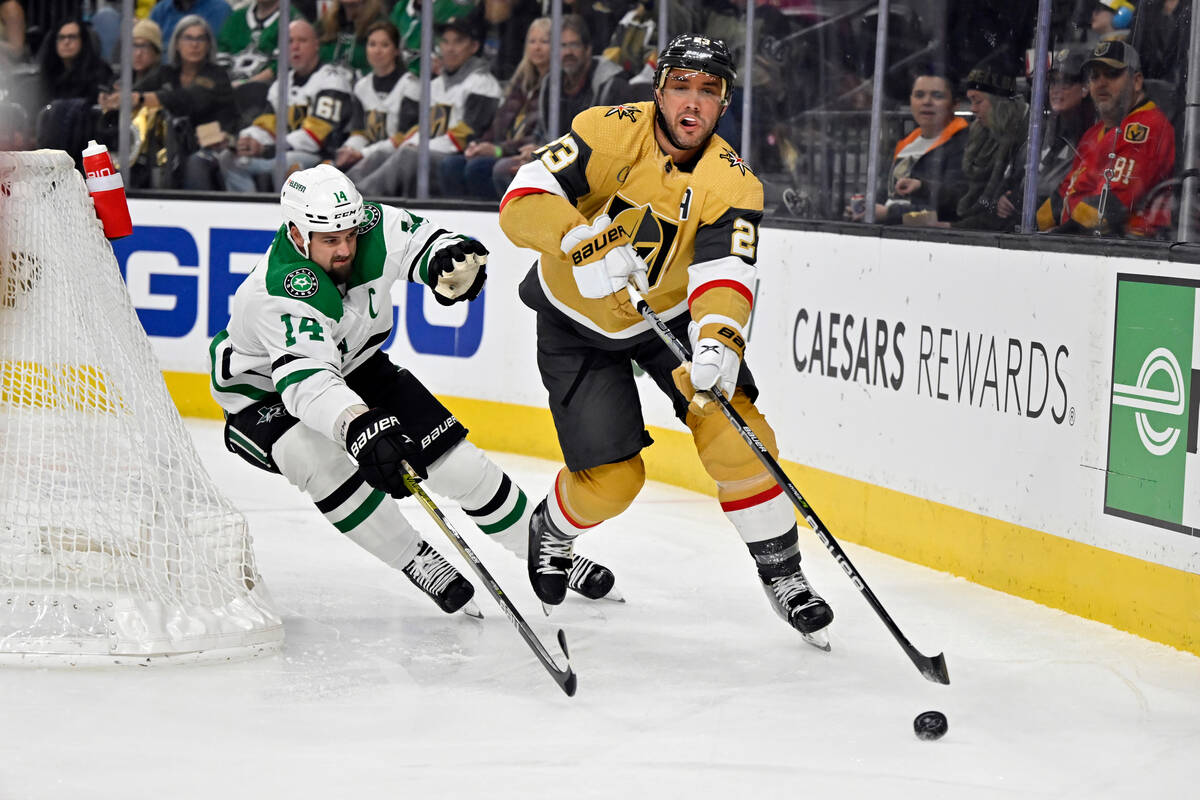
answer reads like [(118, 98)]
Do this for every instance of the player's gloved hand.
[(378, 444), (602, 256), (716, 358), (457, 270)]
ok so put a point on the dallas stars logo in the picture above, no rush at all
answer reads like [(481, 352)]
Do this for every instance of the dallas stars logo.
[(269, 413), (624, 112), (301, 283), (734, 160), (371, 218)]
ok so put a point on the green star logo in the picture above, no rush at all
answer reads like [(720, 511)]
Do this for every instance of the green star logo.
[(301, 283)]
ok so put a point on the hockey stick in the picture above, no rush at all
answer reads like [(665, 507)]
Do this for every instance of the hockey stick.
[(564, 677), (934, 669)]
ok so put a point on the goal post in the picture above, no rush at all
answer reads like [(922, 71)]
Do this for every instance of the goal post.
[(115, 544)]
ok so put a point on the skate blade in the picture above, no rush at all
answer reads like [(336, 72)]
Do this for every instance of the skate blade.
[(614, 594), (471, 610), (546, 608), (818, 639)]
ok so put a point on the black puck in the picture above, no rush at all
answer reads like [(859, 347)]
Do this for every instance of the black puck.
[(930, 725)]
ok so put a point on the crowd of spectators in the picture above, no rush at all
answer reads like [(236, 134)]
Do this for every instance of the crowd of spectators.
[(204, 78)]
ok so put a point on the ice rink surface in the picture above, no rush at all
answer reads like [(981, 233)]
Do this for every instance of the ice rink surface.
[(692, 689)]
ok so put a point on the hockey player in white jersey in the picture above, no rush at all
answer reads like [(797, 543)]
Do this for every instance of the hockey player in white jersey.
[(308, 392)]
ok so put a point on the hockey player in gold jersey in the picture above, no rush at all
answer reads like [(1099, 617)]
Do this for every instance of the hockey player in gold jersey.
[(646, 193)]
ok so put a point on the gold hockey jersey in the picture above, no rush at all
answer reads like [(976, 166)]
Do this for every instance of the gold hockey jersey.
[(698, 234)]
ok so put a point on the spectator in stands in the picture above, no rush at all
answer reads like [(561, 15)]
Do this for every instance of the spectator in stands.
[(146, 61), (378, 99), (470, 174), (167, 13), (342, 31), (1111, 19), (406, 16), (70, 66), (12, 32), (926, 176), (1071, 113), (508, 21), (248, 42), (320, 109), (587, 81), (994, 161), (464, 97), (1121, 158)]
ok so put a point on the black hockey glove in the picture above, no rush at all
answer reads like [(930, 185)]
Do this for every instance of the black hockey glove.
[(457, 271), (378, 444)]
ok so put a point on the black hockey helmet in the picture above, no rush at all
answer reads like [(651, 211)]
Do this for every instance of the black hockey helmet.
[(699, 54)]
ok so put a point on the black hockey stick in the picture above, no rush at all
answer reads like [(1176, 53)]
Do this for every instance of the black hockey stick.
[(934, 669), (564, 677)]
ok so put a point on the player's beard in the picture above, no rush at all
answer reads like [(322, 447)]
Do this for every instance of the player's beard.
[(669, 132), (340, 270)]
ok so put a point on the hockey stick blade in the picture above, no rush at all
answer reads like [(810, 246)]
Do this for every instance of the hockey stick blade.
[(563, 676), (933, 669)]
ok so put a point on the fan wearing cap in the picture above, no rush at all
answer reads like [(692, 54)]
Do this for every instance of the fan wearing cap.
[(646, 193), (463, 101), (1121, 158), (995, 154)]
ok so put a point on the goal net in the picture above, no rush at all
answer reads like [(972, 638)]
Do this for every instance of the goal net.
[(114, 541)]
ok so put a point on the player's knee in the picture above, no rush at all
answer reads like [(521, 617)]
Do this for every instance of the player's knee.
[(462, 471), (602, 492), (313, 463), (726, 457)]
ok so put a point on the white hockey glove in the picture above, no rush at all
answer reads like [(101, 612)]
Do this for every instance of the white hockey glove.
[(457, 271), (602, 256), (716, 359)]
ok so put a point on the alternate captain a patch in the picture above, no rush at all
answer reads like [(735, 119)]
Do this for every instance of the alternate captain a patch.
[(301, 283), (734, 159), (624, 112), (1136, 132)]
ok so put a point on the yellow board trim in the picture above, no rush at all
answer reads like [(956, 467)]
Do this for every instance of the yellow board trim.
[(1156, 602)]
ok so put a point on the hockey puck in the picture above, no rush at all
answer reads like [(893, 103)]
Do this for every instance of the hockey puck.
[(930, 725)]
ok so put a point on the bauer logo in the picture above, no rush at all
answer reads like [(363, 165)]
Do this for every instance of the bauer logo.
[(1152, 419)]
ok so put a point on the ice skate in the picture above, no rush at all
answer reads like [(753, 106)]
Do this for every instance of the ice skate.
[(593, 581), (551, 556), (798, 605), (437, 577)]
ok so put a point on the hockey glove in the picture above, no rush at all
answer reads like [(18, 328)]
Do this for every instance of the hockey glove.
[(378, 445), (716, 359), (602, 256), (457, 271)]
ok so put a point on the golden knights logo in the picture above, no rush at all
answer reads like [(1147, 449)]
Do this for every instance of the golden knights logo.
[(734, 159), (1136, 133), (654, 238), (624, 112)]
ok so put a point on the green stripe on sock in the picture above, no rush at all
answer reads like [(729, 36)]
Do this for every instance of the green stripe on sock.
[(354, 520), (508, 521)]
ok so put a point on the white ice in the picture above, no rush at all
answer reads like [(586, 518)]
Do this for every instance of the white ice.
[(692, 689)]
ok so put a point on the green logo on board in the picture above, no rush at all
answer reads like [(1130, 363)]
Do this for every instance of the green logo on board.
[(1152, 426)]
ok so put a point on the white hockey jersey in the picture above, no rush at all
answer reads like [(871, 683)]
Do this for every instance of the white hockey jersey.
[(377, 114), (462, 106), (318, 106), (296, 332)]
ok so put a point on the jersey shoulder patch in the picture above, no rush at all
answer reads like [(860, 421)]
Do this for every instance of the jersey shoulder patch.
[(728, 180), (292, 276)]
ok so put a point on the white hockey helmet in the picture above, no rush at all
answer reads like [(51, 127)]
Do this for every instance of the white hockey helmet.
[(320, 199)]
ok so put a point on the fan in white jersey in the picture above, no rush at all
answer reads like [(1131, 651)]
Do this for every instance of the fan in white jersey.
[(319, 108), (377, 101), (463, 99), (309, 393)]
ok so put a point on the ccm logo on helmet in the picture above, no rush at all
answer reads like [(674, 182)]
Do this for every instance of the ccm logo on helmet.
[(599, 243), (341, 214)]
